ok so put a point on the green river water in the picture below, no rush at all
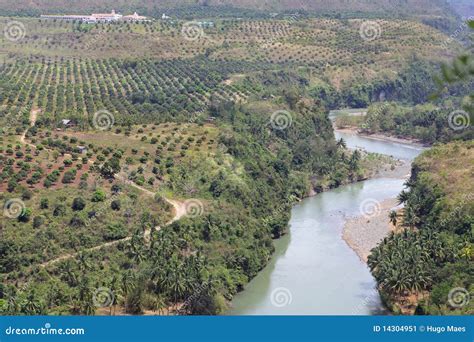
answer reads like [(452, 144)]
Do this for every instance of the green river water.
[(313, 271)]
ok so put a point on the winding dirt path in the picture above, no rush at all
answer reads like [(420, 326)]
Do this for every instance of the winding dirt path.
[(179, 212), (33, 117), (179, 208)]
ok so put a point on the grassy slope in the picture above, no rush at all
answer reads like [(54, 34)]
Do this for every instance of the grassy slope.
[(451, 168)]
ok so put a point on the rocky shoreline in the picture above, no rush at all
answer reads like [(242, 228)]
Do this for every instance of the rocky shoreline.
[(363, 233)]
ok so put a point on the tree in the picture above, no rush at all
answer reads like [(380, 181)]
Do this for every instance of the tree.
[(25, 215), (110, 168), (12, 184), (393, 217), (38, 221), (12, 305), (59, 210), (341, 143), (78, 204), (115, 205), (31, 306), (44, 203), (403, 197), (99, 196), (134, 299)]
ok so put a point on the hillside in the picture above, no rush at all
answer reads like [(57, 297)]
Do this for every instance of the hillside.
[(153, 7), (229, 61), (438, 236)]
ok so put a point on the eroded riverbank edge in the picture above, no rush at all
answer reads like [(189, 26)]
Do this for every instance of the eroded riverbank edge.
[(363, 233)]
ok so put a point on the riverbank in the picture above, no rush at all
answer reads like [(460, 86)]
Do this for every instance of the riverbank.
[(316, 255), (363, 233), (382, 137)]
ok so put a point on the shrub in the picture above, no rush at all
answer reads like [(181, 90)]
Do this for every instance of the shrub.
[(38, 221), (115, 231), (44, 203), (26, 194), (76, 221), (78, 204), (99, 196), (25, 215), (115, 205), (59, 210), (69, 176)]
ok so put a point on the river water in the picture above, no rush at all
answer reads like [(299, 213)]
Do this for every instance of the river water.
[(313, 270)]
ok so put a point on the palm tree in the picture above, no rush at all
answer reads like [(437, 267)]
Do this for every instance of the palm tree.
[(341, 143), (85, 298), (353, 162), (83, 262), (136, 251), (393, 217), (114, 287), (127, 282), (403, 197), (411, 218), (31, 306), (160, 304), (12, 302)]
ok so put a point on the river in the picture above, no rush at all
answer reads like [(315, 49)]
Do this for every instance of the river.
[(313, 270)]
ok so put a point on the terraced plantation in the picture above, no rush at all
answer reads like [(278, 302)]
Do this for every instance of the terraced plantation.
[(76, 89), (326, 44)]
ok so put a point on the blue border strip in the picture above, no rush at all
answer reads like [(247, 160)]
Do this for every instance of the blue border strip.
[(240, 328)]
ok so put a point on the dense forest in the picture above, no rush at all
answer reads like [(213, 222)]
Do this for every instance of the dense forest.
[(426, 123)]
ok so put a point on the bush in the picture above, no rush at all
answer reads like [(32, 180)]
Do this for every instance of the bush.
[(99, 196), (69, 177), (25, 215), (78, 204), (44, 203), (115, 205), (38, 221), (76, 221), (26, 194), (59, 210), (115, 231)]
